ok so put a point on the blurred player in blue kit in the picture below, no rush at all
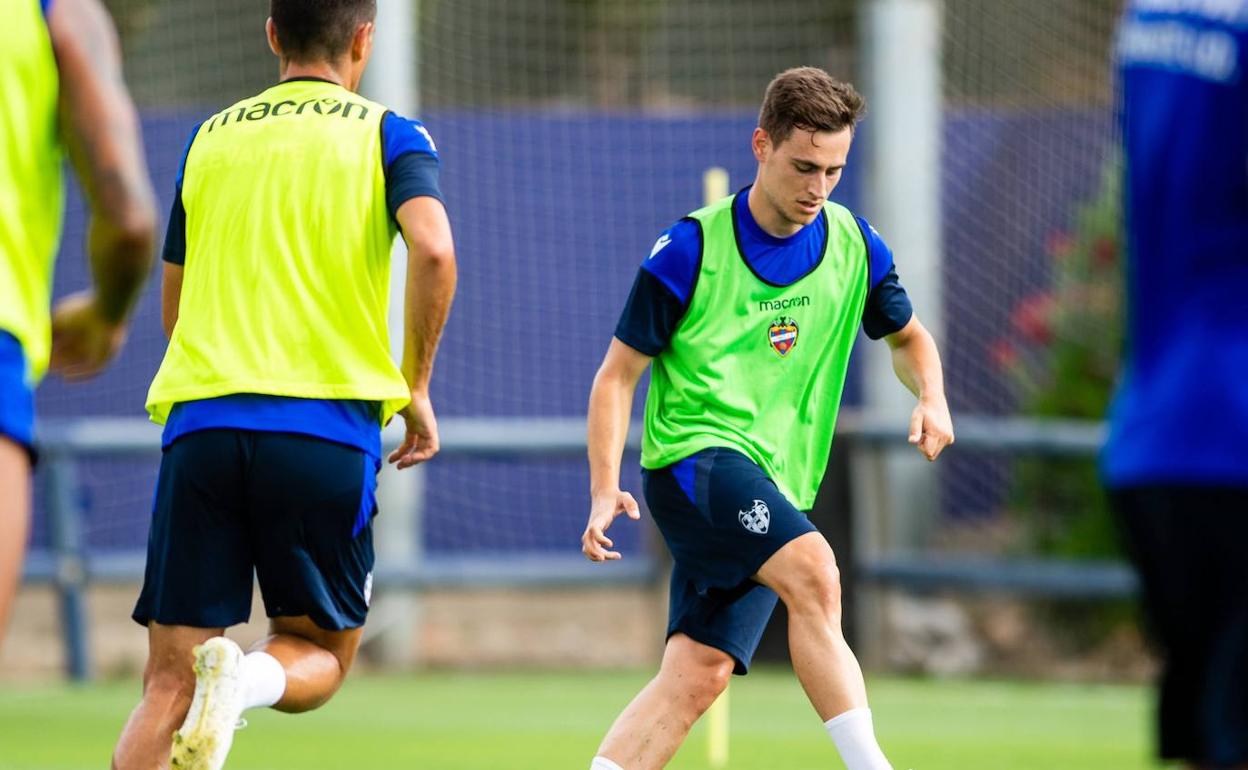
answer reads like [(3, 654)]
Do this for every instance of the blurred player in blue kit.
[(277, 381), (1176, 461), (61, 87)]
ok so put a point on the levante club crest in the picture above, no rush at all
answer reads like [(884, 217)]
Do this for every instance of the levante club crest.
[(782, 335)]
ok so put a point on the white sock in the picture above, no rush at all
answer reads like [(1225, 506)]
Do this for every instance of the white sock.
[(854, 736), (602, 763), (264, 680)]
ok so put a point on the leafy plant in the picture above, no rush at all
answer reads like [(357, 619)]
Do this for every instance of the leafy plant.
[(1061, 352)]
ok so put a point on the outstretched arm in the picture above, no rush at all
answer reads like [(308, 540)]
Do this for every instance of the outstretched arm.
[(101, 131), (431, 278), (610, 402), (917, 364)]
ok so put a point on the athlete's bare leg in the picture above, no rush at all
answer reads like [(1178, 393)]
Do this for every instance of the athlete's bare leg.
[(805, 575), (168, 684), (316, 661), (655, 723), (14, 522)]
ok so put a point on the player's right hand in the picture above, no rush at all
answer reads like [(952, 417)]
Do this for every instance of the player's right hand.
[(421, 441), (603, 510), (83, 340)]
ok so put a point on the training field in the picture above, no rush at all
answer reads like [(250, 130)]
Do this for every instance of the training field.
[(540, 721)]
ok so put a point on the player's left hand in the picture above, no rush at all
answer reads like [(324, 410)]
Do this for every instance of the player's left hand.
[(421, 441), (603, 509), (83, 340), (931, 427)]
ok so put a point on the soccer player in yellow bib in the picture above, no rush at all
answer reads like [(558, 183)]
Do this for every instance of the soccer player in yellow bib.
[(277, 381), (746, 312), (61, 85)]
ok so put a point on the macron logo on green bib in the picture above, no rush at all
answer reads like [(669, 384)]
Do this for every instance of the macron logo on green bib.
[(771, 305)]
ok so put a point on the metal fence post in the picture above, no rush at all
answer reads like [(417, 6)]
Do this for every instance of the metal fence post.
[(901, 66), (393, 79), (65, 518), (871, 526)]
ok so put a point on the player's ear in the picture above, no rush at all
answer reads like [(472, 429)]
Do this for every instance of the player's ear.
[(362, 42), (270, 31), (761, 144)]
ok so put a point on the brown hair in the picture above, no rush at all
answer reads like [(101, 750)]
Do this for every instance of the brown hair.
[(809, 99)]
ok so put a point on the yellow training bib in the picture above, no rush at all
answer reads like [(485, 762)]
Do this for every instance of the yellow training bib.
[(288, 240), (31, 192)]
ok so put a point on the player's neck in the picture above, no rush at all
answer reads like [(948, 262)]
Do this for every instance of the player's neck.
[(766, 216), (321, 70)]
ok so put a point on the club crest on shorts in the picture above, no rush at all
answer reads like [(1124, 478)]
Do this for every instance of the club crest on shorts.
[(757, 519), (782, 334)]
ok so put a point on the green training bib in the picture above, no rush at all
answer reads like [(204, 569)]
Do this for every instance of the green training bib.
[(756, 367)]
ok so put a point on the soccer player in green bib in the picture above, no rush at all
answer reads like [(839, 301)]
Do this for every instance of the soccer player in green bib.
[(746, 312), (61, 86), (277, 381)]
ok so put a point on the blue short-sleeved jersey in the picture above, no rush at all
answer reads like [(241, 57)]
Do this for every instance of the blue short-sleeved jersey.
[(1181, 412), (666, 279), (410, 160)]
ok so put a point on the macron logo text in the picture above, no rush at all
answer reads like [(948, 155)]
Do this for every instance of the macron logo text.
[(783, 304)]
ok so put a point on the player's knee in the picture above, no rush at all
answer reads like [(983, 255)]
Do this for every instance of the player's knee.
[(694, 675), (816, 590), (716, 682), (710, 682)]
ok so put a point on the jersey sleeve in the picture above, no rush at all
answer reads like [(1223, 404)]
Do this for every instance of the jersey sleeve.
[(661, 291), (410, 159), (888, 307), (174, 251)]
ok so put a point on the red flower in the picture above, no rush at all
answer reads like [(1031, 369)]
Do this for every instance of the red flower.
[(1003, 353), (1104, 251), (1033, 318), (1060, 245)]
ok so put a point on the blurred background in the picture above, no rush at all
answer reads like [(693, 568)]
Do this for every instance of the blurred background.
[(571, 133)]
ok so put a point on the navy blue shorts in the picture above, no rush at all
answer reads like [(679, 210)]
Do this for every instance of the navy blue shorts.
[(294, 509), (722, 518), (17, 399)]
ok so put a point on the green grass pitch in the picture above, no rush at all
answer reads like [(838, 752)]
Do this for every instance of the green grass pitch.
[(523, 721)]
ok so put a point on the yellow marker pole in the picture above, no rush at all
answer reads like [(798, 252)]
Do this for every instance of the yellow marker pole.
[(714, 187), (714, 184), (717, 732)]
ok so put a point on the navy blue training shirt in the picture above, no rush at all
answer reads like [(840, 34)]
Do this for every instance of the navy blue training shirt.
[(410, 160), (666, 279), (1181, 412)]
